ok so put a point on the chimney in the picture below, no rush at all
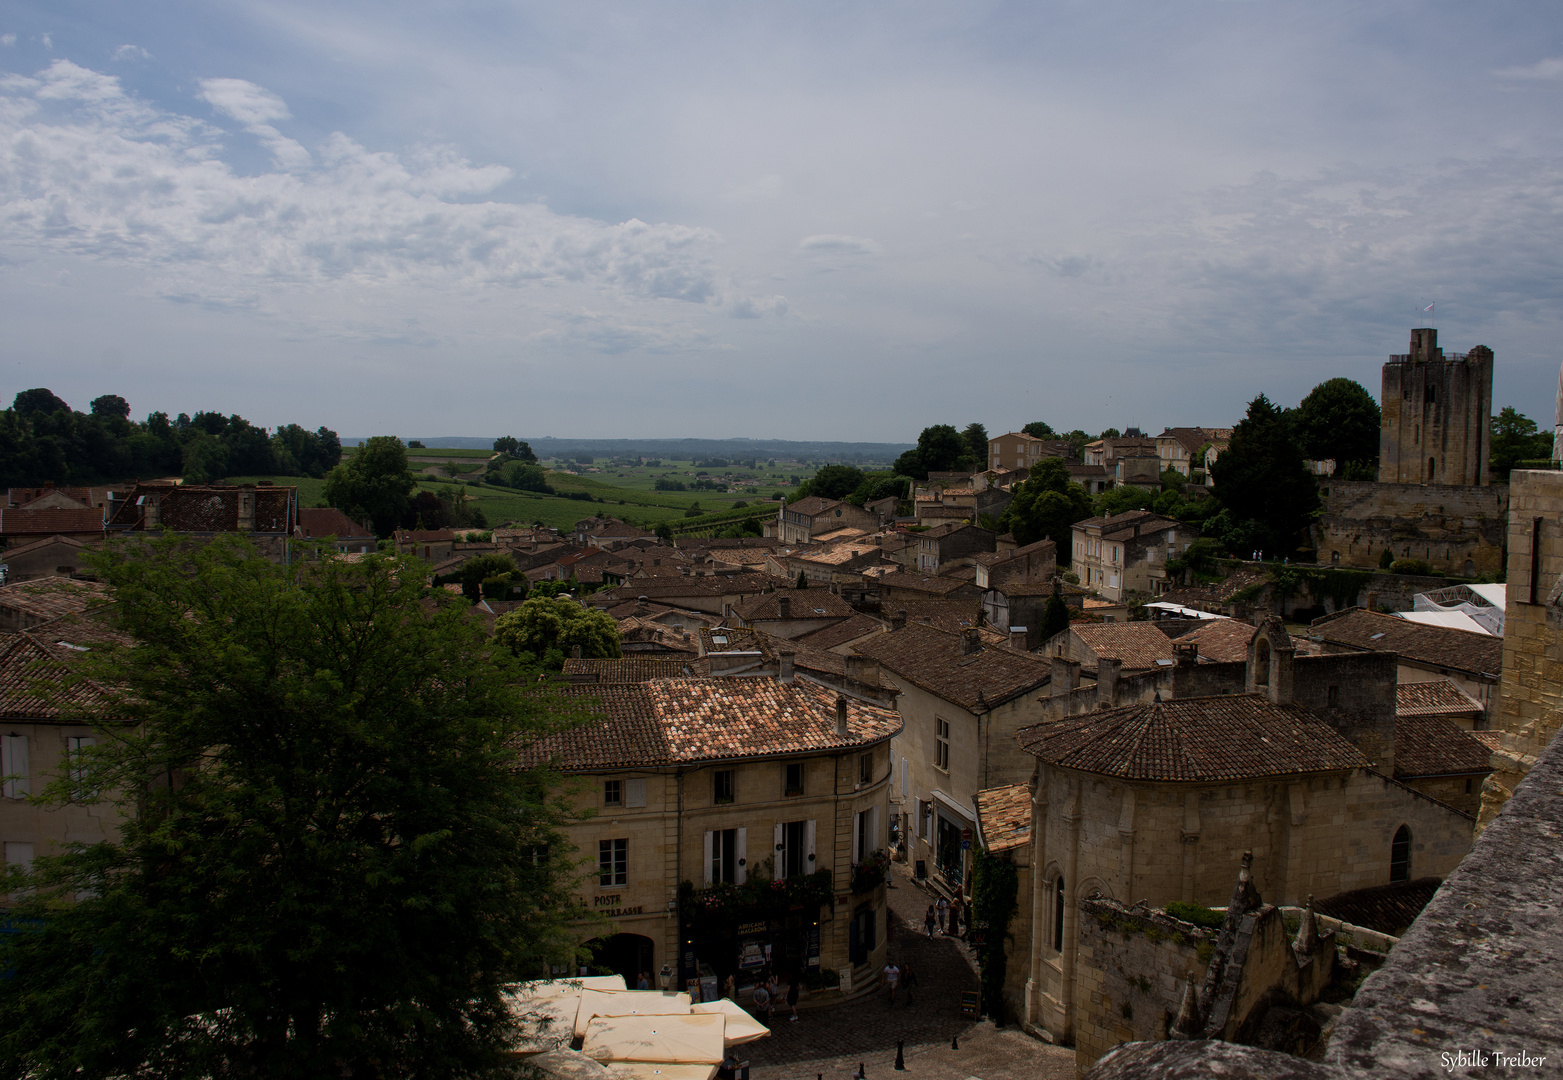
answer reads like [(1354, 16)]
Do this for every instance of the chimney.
[(1066, 675), (863, 669), (575, 652), (898, 619), (246, 511), (1187, 654), (1017, 638), (784, 675), (1107, 669), (971, 641), (1372, 601), (784, 607), (841, 717), (151, 517)]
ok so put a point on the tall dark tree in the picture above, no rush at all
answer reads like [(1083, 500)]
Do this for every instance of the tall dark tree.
[(375, 484), (1260, 478), (110, 405), (1339, 419), (38, 400), (940, 448), (1039, 429), (1046, 505), (976, 436), (1515, 439), (353, 866), (834, 482), (1055, 616)]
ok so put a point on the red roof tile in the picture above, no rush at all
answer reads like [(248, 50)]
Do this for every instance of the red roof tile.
[(1435, 646), (1437, 746), (937, 662), (50, 522), (1004, 816)]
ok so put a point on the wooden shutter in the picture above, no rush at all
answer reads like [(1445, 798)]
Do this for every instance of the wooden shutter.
[(710, 856), (741, 850), (14, 767), (635, 792), (779, 866), (808, 847)]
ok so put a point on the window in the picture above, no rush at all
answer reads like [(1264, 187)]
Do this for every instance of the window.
[(865, 769), (793, 782), (722, 786), (1332, 696), (794, 848), (865, 834), (613, 793), (74, 745), (727, 856), (1058, 914), (635, 792), (14, 768), (941, 749), (613, 863), (1400, 856)]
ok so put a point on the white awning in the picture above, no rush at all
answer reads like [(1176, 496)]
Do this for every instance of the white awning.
[(954, 807)]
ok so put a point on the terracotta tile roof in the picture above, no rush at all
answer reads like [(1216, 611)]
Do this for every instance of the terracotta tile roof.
[(50, 522), (812, 505), (631, 669), (20, 496), (840, 554), (633, 607), (36, 684), (706, 543), (43, 542), (425, 536), (1122, 526), (1004, 817), (932, 584), (1221, 641), (1389, 909), (1137, 645), (198, 508), (829, 637), (1236, 737), (951, 616), (1491, 739), (994, 558), (719, 585), (316, 521), (801, 604), (1440, 697), (69, 635), (1437, 746), (671, 721), (935, 661), (837, 535), (1435, 646), (49, 598)]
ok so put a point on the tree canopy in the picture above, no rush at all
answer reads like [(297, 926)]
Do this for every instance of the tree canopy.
[(976, 436), (373, 485), (1260, 479), (1039, 429), (834, 482), (1515, 439), (43, 441), (1339, 419), (940, 448), (348, 867), (1046, 505), (544, 631)]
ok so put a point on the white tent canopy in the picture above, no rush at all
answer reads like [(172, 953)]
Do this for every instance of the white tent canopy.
[(741, 1027), (628, 1003), (691, 1039)]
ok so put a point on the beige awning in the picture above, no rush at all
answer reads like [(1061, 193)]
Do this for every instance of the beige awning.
[(741, 1027), (628, 1003), (547, 1010), (656, 1070), (681, 1040), (569, 1065)]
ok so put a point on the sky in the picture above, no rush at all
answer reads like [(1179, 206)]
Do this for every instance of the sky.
[(786, 220)]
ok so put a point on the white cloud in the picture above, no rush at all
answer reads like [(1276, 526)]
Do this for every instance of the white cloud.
[(48, 40), (7, 40), (1547, 70), (131, 52), (86, 169), (836, 244), (244, 101)]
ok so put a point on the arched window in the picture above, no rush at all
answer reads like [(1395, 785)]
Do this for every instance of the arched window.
[(1432, 468), (1400, 856), (1262, 663), (1058, 914)]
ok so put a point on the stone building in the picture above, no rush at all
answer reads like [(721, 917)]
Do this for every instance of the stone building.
[(952, 544), (1152, 800), (1471, 661), (715, 782), (961, 702), (266, 514), (1434, 413), (1126, 554), (1530, 697), (802, 521), (1017, 450)]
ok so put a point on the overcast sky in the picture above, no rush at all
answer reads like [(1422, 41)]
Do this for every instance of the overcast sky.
[(785, 220)]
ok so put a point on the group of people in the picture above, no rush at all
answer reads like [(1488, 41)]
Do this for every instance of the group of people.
[(945, 916), (768, 991), (899, 977)]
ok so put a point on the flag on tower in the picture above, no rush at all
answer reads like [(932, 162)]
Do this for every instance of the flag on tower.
[(1429, 307)]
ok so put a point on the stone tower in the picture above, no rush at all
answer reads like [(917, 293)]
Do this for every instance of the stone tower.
[(1436, 410)]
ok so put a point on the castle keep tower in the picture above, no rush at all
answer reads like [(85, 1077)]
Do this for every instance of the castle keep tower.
[(1435, 411)]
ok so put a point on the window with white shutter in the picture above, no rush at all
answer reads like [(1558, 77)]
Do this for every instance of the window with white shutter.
[(14, 767), (635, 792)]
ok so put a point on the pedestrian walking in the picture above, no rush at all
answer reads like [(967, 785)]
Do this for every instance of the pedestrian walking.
[(792, 995), (944, 912), (892, 979), (908, 980), (957, 913), (930, 920)]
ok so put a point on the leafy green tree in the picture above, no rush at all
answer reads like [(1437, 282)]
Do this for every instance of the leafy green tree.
[(1261, 479), (1045, 505), (1077, 440), (38, 400), (374, 484), (475, 571), (976, 436), (940, 448), (1120, 500), (1515, 439), (834, 482), (544, 631), (802, 582), (1338, 419), (1110, 433), (1039, 429), (349, 866), (1055, 616), (664, 532), (877, 486), (110, 405), (525, 476)]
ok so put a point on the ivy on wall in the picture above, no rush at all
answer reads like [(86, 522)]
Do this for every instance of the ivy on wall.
[(995, 888)]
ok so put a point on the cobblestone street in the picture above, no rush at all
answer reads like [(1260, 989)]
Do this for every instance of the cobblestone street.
[(833, 1041)]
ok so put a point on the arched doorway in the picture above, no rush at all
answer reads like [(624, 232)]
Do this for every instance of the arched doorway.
[(630, 955)]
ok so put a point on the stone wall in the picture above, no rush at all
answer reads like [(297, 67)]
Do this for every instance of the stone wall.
[(1132, 969), (1530, 697), (1459, 529)]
